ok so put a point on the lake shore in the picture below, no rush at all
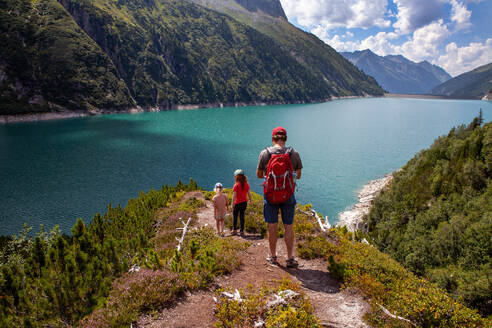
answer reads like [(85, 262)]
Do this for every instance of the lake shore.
[(33, 117), (413, 96), (353, 218)]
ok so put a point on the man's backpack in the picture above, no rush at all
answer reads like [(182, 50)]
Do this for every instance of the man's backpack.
[(279, 183)]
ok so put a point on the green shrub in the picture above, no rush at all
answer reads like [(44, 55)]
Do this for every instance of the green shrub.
[(297, 312), (386, 282), (435, 217)]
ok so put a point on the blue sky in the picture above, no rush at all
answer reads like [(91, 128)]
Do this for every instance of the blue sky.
[(454, 34)]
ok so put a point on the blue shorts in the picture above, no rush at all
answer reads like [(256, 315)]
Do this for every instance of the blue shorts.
[(270, 211)]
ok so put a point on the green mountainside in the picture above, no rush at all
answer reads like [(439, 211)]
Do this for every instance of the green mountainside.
[(436, 216), (397, 74), (473, 85), (48, 63), (107, 55), (316, 56)]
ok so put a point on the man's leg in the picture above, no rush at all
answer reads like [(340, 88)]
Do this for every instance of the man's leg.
[(289, 239), (272, 238), (270, 214), (288, 210)]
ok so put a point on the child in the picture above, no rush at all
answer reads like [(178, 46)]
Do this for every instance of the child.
[(239, 199), (221, 207)]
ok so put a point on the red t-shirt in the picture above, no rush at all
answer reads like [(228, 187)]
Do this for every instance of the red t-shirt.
[(241, 193)]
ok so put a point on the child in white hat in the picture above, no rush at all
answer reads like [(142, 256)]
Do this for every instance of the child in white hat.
[(221, 207)]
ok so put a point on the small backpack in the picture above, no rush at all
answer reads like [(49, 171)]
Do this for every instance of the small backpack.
[(279, 183)]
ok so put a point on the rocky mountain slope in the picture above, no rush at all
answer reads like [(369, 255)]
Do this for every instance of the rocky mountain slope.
[(476, 84), (316, 56), (396, 74), (48, 63), (102, 55)]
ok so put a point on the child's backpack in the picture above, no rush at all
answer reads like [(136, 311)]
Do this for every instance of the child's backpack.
[(279, 183)]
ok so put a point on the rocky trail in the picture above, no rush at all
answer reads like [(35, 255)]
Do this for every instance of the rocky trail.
[(334, 307)]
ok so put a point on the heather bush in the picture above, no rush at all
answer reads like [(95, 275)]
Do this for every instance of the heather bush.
[(202, 257), (136, 293), (252, 309)]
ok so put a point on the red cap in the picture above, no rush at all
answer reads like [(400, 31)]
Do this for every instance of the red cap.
[(279, 130)]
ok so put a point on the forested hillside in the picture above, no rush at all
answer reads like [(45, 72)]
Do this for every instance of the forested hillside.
[(48, 63), (98, 55), (470, 85), (436, 216), (312, 53)]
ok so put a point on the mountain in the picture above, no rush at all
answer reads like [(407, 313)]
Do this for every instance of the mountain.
[(101, 55), (316, 56), (475, 84), (398, 74), (48, 63), (435, 217)]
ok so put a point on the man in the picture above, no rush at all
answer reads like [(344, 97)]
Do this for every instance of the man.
[(287, 208)]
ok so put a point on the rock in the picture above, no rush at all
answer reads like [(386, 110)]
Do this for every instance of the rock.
[(353, 218)]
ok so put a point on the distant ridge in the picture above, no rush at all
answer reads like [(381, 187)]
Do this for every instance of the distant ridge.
[(476, 84), (397, 74)]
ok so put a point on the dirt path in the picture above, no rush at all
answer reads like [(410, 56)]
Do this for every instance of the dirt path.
[(334, 307)]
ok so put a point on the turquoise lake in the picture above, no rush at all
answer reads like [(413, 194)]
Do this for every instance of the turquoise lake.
[(53, 172)]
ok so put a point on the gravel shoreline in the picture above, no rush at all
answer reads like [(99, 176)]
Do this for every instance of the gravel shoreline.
[(353, 218)]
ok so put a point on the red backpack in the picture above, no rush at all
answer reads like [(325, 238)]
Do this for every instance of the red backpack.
[(279, 183)]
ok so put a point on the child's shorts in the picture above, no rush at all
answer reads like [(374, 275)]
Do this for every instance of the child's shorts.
[(220, 217)]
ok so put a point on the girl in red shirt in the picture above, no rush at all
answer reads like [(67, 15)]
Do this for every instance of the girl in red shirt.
[(240, 199)]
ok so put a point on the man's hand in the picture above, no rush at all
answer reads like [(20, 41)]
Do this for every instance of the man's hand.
[(260, 174)]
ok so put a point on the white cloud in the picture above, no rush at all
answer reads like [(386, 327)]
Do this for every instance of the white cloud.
[(425, 42), (421, 29), (414, 14), (334, 13), (423, 45), (460, 15), (458, 60), (336, 41), (380, 43)]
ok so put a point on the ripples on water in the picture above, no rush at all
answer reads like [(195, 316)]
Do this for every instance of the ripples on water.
[(55, 171)]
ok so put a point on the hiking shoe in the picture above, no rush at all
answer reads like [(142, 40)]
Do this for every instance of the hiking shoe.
[(272, 260), (291, 263)]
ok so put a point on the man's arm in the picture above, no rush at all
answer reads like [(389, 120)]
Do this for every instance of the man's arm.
[(298, 173), (262, 163)]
